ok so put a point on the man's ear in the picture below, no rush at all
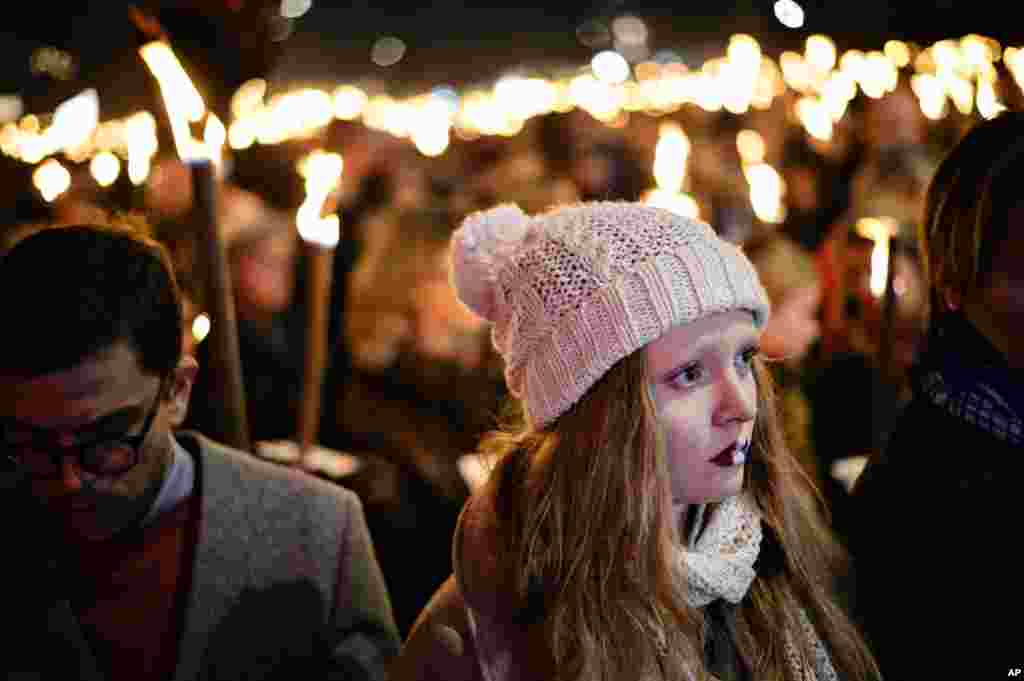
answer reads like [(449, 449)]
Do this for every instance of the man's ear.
[(180, 391)]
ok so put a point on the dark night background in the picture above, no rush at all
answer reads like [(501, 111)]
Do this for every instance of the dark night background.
[(449, 42), (226, 42)]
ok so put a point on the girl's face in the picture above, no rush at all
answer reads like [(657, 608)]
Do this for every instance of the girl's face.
[(702, 380)]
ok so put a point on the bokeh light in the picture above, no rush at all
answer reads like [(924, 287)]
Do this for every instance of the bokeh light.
[(387, 51), (610, 67), (105, 167), (789, 13)]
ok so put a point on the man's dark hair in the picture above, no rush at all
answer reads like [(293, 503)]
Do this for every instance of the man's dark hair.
[(72, 291), (968, 203)]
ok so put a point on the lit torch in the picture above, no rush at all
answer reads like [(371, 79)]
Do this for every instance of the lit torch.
[(184, 106), (670, 157), (214, 137), (767, 188), (322, 174), (142, 144), (880, 231)]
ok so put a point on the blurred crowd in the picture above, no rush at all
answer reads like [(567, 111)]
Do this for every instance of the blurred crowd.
[(412, 381)]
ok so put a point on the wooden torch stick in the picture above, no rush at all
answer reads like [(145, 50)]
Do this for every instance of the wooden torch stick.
[(322, 172), (224, 363), (183, 104), (320, 260)]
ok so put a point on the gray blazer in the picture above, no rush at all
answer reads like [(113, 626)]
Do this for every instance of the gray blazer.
[(266, 599)]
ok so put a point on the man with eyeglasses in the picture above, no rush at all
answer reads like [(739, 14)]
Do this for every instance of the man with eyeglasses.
[(142, 552)]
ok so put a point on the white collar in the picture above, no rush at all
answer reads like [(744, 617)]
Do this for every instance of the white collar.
[(177, 484)]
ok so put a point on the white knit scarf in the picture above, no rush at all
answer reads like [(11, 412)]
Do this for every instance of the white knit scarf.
[(719, 560)]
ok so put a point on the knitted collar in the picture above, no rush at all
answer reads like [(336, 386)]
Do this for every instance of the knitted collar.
[(719, 563), (721, 552), (962, 374)]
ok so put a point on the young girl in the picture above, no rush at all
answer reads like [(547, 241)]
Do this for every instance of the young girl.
[(646, 521)]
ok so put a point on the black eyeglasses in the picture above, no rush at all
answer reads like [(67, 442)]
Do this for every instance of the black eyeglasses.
[(40, 457)]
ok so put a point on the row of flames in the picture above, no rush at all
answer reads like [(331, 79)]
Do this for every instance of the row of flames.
[(671, 156), (320, 170), (959, 72), (767, 191), (75, 129)]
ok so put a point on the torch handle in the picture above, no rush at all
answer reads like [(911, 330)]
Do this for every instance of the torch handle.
[(224, 362), (319, 293), (888, 314)]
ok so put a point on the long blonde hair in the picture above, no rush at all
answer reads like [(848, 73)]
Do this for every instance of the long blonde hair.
[(585, 516)]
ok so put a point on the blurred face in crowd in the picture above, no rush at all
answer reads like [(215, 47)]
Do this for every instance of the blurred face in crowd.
[(265, 274), (593, 173), (442, 327), (411, 187), (909, 312), (802, 188), (705, 395), (95, 439), (168, 189), (793, 327), (894, 120)]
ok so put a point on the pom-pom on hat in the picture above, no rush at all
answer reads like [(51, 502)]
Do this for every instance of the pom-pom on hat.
[(572, 291)]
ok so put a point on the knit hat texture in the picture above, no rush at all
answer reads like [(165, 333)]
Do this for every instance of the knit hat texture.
[(572, 291)]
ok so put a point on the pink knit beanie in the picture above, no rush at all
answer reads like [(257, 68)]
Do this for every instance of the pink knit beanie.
[(572, 291)]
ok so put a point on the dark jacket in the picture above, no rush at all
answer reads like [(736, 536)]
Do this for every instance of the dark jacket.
[(934, 534), (284, 585), (414, 420)]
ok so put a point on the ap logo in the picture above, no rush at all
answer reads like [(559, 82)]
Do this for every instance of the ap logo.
[(1015, 672)]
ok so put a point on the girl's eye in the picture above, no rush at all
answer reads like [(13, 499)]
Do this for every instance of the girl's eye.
[(687, 376), (746, 358)]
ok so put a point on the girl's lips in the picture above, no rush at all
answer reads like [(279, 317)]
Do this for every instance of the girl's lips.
[(733, 455)]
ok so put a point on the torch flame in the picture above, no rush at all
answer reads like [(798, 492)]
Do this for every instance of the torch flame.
[(322, 172), (670, 156), (674, 202), (880, 231), (214, 137), (767, 189), (141, 140), (750, 146), (201, 327), (75, 120), (183, 102), (214, 134), (815, 116)]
